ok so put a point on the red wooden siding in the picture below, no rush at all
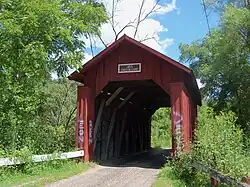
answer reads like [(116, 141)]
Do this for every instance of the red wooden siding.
[(176, 80)]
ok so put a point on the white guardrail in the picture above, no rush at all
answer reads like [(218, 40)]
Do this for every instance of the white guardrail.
[(41, 158)]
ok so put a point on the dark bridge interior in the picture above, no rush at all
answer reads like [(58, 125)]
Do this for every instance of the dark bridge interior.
[(123, 114)]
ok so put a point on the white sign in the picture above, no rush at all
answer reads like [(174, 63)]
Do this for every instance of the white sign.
[(129, 68)]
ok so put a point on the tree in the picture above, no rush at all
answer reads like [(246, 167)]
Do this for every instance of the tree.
[(219, 5), (146, 9), (38, 37), (161, 129), (56, 119), (221, 61)]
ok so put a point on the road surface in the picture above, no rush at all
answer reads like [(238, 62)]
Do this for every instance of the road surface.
[(136, 171)]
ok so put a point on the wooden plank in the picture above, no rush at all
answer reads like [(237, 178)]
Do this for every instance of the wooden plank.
[(98, 121), (41, 158), (122, 130), (126, 99), (111, 127), (114, 95), (141, 135)]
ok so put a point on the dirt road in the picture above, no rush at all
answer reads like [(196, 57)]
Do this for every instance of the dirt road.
[(136, 171)]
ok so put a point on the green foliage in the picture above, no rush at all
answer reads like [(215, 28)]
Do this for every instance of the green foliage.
[(219, 145), (221, 62), (168, 177), (182, 169), (56, 122), (52, 128), (38, 37), (161, 128), (40, 174), (219, 5)]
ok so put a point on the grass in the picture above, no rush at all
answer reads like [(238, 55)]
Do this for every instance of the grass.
[(166, 177), (41, 174)]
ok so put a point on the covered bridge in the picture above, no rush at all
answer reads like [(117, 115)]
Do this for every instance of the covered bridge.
[(121, 89)]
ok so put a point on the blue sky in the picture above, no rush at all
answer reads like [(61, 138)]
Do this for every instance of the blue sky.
[(186, 24), (174, 22)]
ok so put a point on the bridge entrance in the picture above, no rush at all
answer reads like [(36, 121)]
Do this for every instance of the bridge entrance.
[(121, 89)]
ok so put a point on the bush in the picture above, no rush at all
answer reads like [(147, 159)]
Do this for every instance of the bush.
[(161, 128), (219, 145)]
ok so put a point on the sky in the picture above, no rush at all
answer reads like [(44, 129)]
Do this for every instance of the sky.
[(173, 22), (186, 24)]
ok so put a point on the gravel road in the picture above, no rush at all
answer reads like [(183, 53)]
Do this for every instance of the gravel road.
[(136, 171)]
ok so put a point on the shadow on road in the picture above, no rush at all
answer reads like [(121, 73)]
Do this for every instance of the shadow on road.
[(155, 158)]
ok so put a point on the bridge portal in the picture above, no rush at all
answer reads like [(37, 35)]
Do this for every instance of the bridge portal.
[(121, 89)]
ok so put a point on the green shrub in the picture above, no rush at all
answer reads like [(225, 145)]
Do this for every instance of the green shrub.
[(161, 135), (218, 144)]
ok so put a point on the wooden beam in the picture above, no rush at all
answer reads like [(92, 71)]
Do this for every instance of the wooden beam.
[(140, 136), (98, 121), (114, 95), (217, 175), (111, 127), (126, 99), (122, 130)]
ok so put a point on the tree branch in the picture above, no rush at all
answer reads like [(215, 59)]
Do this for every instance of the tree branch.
[(111, 20), (151, 11), (91, 45), (130, 24), (147, 38), (139, 20), (102, 41), (70, 116)]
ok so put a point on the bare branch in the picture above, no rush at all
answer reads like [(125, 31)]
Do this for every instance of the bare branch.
[(153, 10), (91, 45), (102, 41), (142, 15), (157, 41), (150, 38), (147, 38), (111, 20), (130, 24), (70, 117), (140, 20)]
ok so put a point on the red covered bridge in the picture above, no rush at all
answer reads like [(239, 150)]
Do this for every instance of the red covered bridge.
[(121, 89)]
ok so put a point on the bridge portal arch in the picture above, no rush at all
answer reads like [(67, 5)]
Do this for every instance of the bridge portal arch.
[(121, 89)]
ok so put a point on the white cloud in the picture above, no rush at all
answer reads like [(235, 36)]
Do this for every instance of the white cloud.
[(167, 42), (127, 11), (167, 8)]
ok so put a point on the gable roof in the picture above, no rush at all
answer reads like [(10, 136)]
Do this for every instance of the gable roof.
[(77, 76), (115, 44)]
